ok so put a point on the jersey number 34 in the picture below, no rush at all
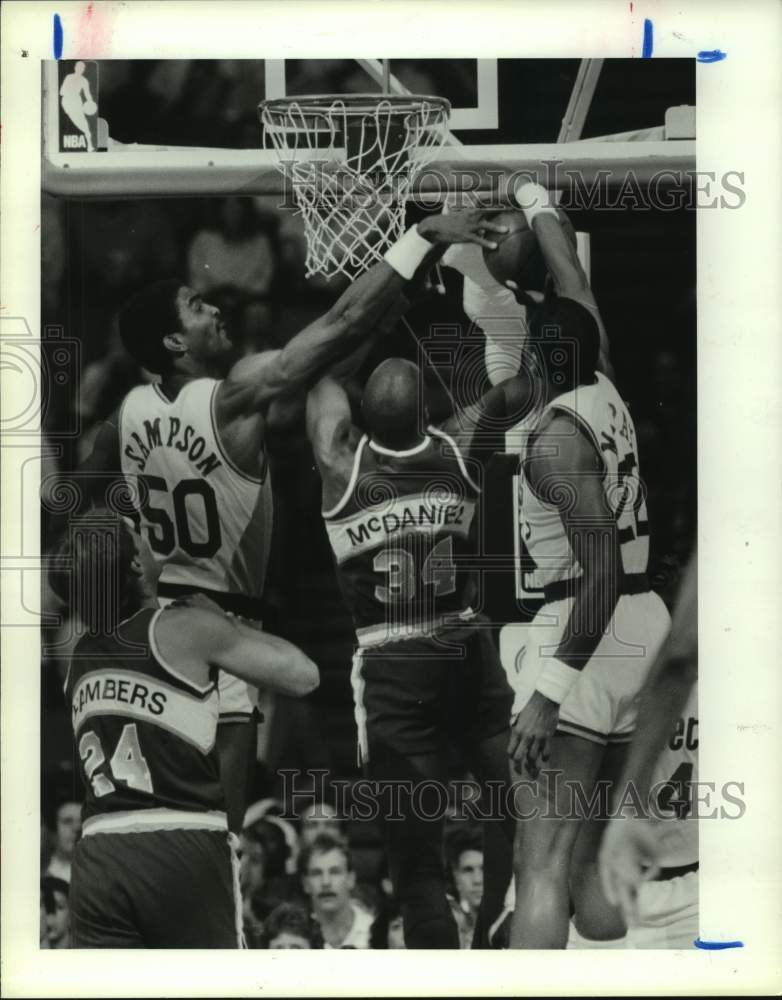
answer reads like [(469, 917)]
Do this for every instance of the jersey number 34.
[(438, 570)]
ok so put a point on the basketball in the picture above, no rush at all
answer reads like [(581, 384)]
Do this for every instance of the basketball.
[(89, 107), (518, 257), (515, 249)]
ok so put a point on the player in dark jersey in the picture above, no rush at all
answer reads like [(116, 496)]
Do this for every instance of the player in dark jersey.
[(399, 504), (156, 865)]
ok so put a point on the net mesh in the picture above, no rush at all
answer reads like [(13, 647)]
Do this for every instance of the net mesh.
[(350, 163)]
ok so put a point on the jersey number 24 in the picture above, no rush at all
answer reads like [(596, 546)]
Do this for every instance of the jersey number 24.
[(127, 763)]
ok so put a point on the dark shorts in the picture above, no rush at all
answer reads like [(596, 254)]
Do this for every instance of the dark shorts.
[(416, 696), (159, 889)]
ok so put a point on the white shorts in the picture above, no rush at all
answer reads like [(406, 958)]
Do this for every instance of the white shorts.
[(603, 703), (668, 914), (237, 699)]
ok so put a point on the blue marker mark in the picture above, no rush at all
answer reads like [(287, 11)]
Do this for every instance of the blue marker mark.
[(57, 36), (710, 55), (646, 52), (717, 945)]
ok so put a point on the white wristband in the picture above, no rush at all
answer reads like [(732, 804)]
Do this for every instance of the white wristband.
[(534, 200), (406, 254), (555, 680), (467, 259)]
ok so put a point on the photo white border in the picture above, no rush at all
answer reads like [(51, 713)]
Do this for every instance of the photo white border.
[(739, 466)]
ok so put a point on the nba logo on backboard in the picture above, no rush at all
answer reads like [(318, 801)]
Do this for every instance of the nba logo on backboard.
[(78, 106)]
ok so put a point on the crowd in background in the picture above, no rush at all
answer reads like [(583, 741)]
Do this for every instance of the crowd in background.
[(303, 884), (299, 884)]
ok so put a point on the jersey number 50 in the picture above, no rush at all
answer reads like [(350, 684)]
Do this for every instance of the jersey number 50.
[(163, 538)]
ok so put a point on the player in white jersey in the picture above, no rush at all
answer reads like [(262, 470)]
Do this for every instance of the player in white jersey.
[(658, 852), (209, 521), (194, 443), (590, 646), (503, 314), (650, 868), (666, 913)]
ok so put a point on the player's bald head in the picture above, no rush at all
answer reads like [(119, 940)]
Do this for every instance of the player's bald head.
[(392, 404)]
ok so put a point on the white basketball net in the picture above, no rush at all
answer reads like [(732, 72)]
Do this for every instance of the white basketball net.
[(351, 162)]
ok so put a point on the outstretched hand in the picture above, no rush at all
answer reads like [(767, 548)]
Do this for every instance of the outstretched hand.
[(469, 225), (531, 734), (628, 857)]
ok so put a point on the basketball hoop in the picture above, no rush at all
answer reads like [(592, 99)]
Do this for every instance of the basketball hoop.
[(351, 160)]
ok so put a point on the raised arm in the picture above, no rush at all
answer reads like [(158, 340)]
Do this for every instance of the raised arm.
[(483, 424), (333, 437), (255, 381), (493, 308), (286, 409), (562, 262), (565, 470), (189, 637)]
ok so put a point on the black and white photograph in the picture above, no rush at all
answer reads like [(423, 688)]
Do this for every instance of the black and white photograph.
[(372, 418)]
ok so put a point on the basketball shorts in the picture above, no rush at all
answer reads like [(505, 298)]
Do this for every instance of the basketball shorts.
[(602, 705), (156, 889), (668, 914), (237, 699), (416, 695)]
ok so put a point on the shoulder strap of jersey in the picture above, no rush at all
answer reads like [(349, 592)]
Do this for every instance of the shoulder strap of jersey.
[(136, 393), (155, 650), (351, 482), (462, 466), (567, 408)]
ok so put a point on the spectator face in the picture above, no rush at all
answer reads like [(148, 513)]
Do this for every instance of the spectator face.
[(289, 941), (468, 878), (396, 934), (252, 867), (328, 882), (68, 828), (203, 330), (58, 922)]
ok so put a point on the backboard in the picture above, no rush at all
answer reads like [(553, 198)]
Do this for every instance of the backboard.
[(508, 115)]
